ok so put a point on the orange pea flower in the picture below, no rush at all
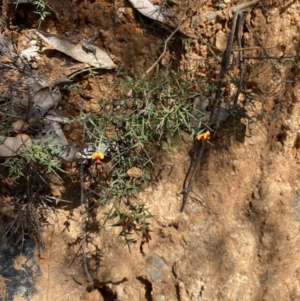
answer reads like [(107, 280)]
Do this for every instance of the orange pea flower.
[(97, 157), (204, 136)]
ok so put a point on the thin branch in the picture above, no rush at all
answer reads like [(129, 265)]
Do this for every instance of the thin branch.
[(225, 61), (165, 48), (238, 17), (241, 62), (167, 41), (257, 39), (83, 212), (186, 191)]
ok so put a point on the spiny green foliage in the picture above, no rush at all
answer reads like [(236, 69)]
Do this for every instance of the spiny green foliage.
[(42, 156), (159, 108), (154, 113)]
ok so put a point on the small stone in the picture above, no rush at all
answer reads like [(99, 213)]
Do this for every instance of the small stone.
[(195, 21), (32, 42), (134, 172), (76, 135), (154, 274), (30, 53), (156, 261), (34, 65), (120, 12), (29, 81), (221, 5), (221, 40), (187, 159), (5, 60), (20, 126), (6, 74), (67, 127)]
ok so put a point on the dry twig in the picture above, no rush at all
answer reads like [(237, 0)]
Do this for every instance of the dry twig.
[(167, 41), (238, 16)]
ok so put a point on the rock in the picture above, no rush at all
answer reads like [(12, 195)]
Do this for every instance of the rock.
[(30, 53), (221, 40), (134, 172), (5, 60), (20, 126), (182, 292), (157, 268), (29, 81), (195, 21), (33, 42), (154, 274), (67, 128), (76, 135), (156, 261)]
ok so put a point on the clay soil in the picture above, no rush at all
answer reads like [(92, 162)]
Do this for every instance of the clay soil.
[(237, 238)]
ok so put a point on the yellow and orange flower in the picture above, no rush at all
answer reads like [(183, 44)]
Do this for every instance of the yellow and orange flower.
[(97, 157), (204, 136)]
